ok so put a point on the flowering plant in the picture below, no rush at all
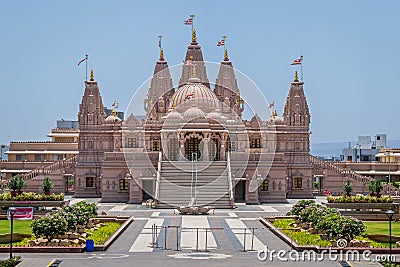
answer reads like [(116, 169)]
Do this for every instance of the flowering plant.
[(50, 225)]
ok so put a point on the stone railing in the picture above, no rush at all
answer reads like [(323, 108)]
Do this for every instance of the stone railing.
[(65, 163)]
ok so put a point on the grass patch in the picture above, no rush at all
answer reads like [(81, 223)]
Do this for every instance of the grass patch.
[(19, 226), (23, 243), (104, 232), (302, 237), (382, 228), (305, 238)]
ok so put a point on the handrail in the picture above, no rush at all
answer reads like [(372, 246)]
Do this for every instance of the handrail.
[(341, 171), (158, 180), (230, 181), (50, 168)]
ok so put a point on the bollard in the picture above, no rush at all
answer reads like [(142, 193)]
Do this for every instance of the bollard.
[(244, 240)]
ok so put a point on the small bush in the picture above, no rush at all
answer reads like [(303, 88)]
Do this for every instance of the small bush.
[(10, 262), (301, 205), (49, 226)]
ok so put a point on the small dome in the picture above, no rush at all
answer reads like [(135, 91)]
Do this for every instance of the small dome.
[(112, 119), (194, 92), (215, 115), (276, 120), (174, 115), (193, 112)]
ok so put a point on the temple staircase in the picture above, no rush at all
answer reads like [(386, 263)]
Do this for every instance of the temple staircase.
[(199, 183), (350, 174), (61, 164)]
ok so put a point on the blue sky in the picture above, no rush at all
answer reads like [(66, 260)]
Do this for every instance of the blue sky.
[(350, 49)]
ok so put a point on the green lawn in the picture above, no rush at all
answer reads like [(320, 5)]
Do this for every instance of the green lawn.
[(22, 227), (382, 228)]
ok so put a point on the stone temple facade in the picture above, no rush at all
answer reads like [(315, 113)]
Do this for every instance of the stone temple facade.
[(194, 145)]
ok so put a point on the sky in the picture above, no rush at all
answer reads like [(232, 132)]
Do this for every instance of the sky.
[(350, 49)]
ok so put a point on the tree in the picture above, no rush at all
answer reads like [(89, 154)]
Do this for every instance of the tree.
[(348, 187), (47, 185)]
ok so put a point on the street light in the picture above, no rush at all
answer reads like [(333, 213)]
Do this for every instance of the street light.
[(12, 212), (387, 153), (389, 214)]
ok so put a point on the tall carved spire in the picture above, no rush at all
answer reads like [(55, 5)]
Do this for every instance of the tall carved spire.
[(296, 111), (195, 55), (161, 88), (91, 110), (226, 86)]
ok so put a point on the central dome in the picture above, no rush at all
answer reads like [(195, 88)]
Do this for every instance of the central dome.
[(194, 92)]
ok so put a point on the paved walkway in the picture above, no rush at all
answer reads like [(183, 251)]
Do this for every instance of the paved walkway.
[(232, 231)]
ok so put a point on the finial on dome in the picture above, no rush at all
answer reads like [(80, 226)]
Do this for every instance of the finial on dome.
[(194, 36), (161, 54), (296, 76), (161, 50), (226, 58), (274, 113), (91, 75)]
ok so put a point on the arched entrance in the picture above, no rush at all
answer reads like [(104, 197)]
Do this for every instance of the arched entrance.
[(192, 147)]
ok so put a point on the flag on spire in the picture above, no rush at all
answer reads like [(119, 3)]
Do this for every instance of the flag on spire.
[(271, 105), (187, 62), (82, 60), (297, 61), (221, 43), (189, 21)]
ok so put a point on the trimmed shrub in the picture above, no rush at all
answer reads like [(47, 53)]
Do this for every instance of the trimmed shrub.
[(49, 226), (301, 205)]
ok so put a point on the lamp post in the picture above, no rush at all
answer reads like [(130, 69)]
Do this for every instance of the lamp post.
[(389, 214), (12, 212), (387, 153)]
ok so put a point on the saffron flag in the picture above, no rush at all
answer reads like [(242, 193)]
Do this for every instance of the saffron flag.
[(297, 61), (82, 60), (221, 43), (272, 104), (188, 21), (189, 96), (187, 62)]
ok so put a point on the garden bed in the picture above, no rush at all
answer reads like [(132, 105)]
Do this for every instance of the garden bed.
[(319, 228), (55, 247)]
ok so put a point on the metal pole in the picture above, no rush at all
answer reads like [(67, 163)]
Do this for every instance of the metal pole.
[(165, 237), (390, 238), (252, 239), (206, 240), (87, 58), (155, 235), (152, 235), (11, 235), (177, 238), (197, 239), (244, 240), (390, 187)]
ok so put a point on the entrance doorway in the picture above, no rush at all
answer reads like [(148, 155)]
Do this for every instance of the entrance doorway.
[(148, 191), (69, 182), (192, 147), (240, 191)]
